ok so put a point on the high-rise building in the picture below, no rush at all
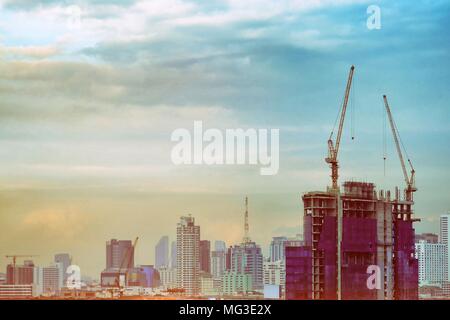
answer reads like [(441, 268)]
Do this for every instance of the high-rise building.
[(119, 254), (20, 274), (427, 237), (228, 259), (348, 233), (275, 273), (218, 259), (188, 256), (247, 258), (119, 260), (218, 263), (220, 245), (294, 241), (432, 263), (298, 273), (276, 249), (444, 228), (66, 261), (52, 278), (205, 256), (444, 238), (162, 252), (173, 255)]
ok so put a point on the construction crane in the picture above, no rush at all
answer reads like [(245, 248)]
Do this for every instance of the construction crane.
[(333, 148), (410, 180), (15, 256), (126, 259)]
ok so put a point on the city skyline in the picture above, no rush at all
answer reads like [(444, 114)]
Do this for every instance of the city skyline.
[(146, 255), (430, 250), (276, 241)]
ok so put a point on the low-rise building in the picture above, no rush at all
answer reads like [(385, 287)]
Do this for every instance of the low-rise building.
[(235, 283), (167, 277), (16, 291)]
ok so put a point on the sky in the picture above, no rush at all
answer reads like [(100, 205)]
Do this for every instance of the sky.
[(90, 92)]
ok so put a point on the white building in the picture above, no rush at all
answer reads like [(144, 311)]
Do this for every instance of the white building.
[(275, 273), (444, 238), (188, 256), (49, 280), (167, 277), (432, 263)]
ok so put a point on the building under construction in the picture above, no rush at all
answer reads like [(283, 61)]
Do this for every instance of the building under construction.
[(359, 243)]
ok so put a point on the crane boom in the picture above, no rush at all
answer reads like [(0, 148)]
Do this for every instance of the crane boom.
[(334, 149), (410, 187), (15, 256), (129, 254), (344, 109)]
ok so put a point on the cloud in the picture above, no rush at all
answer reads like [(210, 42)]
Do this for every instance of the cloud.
[(134, 71), (33, 52), (257, 10), (51, 222)]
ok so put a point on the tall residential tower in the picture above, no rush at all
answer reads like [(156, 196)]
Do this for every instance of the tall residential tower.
[(188, 256)]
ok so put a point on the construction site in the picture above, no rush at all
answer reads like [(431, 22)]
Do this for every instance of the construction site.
[(352, 229)]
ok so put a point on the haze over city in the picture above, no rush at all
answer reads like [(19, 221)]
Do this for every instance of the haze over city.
[(87, 110)]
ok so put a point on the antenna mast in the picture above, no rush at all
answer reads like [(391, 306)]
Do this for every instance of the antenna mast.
[(246, 227)]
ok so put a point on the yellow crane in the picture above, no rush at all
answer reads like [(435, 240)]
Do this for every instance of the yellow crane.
[(333, 148), (410, 180)]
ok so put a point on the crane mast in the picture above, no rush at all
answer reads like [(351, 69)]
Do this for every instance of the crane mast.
[(410, 181), (333, 149), (129, 254)]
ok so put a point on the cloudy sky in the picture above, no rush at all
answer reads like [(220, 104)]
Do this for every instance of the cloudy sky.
[(90, 92)]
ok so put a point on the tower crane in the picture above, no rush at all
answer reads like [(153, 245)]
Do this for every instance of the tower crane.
[(15, 256), (126, 259), (333, 148), (410, 180)]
